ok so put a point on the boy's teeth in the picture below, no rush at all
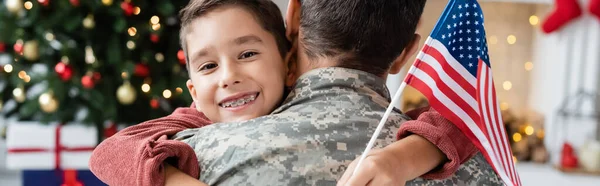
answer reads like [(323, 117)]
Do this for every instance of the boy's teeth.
[(239, 102)]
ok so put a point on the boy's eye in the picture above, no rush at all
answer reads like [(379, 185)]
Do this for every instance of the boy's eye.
[(247, 55), (208, 66)]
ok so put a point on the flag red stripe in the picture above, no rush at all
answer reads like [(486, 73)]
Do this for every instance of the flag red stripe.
[(449, 92), (433, 52), (442, 109)]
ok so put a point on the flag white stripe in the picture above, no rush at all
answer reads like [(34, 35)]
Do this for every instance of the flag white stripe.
[(489, 120), (453, 62), (453, 85), (486, 119), (505, 139), (417, 73)]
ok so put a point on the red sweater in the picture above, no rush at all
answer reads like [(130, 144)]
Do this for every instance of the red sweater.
[(135, 155)]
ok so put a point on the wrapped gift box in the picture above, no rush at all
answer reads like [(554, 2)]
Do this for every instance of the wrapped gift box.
[(58, 178), (36, 146)]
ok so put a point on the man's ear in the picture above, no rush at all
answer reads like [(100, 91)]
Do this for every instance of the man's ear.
[(192, 91), (290, 60), (292, 19), (408, 52)]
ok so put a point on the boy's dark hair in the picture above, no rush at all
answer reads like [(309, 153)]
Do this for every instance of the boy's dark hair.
[(362, 34), (266, 13)]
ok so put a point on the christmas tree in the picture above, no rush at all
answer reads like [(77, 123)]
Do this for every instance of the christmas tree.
[(91, 61)]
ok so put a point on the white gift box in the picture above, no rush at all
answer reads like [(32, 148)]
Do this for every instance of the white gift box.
[(33, 146)]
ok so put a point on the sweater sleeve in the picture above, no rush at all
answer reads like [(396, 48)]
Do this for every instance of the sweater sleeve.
[(135, 155), (432, 126)]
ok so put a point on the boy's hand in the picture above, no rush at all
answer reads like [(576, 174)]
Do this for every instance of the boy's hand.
[(380, 167), (401, 161)]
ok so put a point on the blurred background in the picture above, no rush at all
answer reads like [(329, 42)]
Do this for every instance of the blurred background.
[(90, 68)]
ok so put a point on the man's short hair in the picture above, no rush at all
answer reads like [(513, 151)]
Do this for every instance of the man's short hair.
[(266, 13), (362, 34)]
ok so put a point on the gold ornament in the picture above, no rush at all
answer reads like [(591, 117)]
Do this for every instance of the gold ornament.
[(126, 93), (107, 2), (31, 50), (89, 55), (88, 22), (19, 94), (48, 102), (14, 6), (1, 104)]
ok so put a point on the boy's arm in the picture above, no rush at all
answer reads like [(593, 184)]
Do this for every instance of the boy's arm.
[(177, 178), (430, 147), (135, 155), (448, 138)]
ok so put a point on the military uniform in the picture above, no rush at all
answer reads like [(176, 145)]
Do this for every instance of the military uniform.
[(322, 126)]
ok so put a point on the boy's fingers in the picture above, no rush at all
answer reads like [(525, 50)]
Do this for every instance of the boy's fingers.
[(362, 176), (346, 176)]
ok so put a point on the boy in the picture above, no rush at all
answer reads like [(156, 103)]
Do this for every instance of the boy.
[(228, 79)]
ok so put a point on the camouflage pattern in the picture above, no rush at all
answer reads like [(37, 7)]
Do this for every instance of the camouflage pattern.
[(321, 127)]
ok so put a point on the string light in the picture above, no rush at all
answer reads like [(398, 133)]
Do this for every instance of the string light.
[(132, 31), (156, 26), (49, 36), (137, 10), (511, 39), (493, 40), (22, 74), (154, 20), (167, 94), (504, 106), (517, 137), (124, 75), (540, 134), (529, 130), (528, 66), (28, 5), (159, 57), (507, 85), (130, 45), (146, 88), (27, 79), (515, 159), (179, 90), (8, 68), (534, 20)]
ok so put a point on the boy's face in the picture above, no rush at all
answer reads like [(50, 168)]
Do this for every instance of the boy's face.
[(236, 70)]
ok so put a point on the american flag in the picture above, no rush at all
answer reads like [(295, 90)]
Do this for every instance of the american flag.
[(453, 72)]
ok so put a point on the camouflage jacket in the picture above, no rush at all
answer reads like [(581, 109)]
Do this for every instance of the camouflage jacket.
[(321, 127)]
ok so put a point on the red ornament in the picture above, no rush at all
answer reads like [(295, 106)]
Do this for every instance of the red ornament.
[(594, 8), (64, 71), (87, 82), (127, 8), (110, 130), (2, 47), (97, 76), (74, 2), (44, 2), (154, 38), (181, 57), (18, 47), (154, 103), (141, 70), (568, 158)]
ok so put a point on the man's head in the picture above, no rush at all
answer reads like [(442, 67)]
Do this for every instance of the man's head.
[(376, 36), (234, 52)]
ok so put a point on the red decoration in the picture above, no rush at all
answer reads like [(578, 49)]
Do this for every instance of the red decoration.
[(74, 2), (97, 76), (44, 2), (564, 12), (568, 158), (141, 70), (87, 82), (64, 71), (154, 103), (2, 47), (594, 8), (70, 178), (154, 38), (181, 57), (18, 47), (127, 8), (110, 130)]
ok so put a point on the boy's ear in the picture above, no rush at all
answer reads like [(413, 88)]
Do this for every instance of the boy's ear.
[(192, 91), (292, 19), (408, 52)]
